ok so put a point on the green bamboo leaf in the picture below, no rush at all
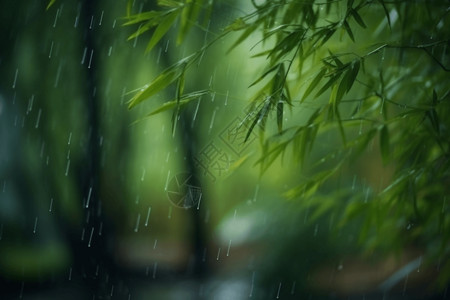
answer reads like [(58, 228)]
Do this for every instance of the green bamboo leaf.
[(185, 99), (328, 35), (169, 3), (243, 36), (314, 83), (329, 83), (260, 116), (189, 16), (386, 12), (343, 87), (353, 74), (434, 100), (144, 28), (159, 83), (280, 116), (384, 143), (358, 18), (264, 75), (141, 17), (433, 117), (50, 4), (237, 24), (349, 30), (162, 29), (180, 87)]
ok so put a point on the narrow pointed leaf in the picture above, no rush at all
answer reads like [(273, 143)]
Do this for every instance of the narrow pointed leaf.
[(349, 30), (185, 99), (280, 116), (358, 18), (384, 143), (386, 13), (50, 4), (314, 83), (264, 75), (158, 84), (161, 30)]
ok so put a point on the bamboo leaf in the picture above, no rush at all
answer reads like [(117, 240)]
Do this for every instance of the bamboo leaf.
[(146, 27), (280, 116), (50, 3), (141, 17), (349, 30), (329, 83), (159, 83), (161, 30), (386, 13), (435, 98), (238, 24), (169, 3), (433, 117), (264, 75), (384, 143), (185, 99), (314, 83), (358, 18)]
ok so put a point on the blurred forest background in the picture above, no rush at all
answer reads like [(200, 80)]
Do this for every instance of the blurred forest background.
[(101, 202)]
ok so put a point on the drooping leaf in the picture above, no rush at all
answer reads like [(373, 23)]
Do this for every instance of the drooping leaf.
[(386, 13), (280, 116), (314, 83), (358, 18), (384, 143), (349, 30)]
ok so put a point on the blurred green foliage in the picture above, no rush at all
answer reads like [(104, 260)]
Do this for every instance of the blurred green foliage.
[(373, 73)]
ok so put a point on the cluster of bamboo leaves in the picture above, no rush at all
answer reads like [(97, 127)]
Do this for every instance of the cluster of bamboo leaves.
[(374, 72)]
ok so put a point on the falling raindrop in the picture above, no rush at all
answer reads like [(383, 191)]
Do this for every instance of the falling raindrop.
[(293, 288), (279, 290), (21, 290), (155, 266), (15, 78), (101, 18), (168, 176), (38, 118), (199, 201), (35, 224), (90, 237), (169, 216), (51, 205), (90, 58), (252, 286), (56, 18), (92, 21), (218, 254), (143, 174), (51, 49), (154, 244), (89, 195), (148, 216), (138, 220), (70, 273), (228, 250), (84, 55), (100, 229), (58, 74)]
